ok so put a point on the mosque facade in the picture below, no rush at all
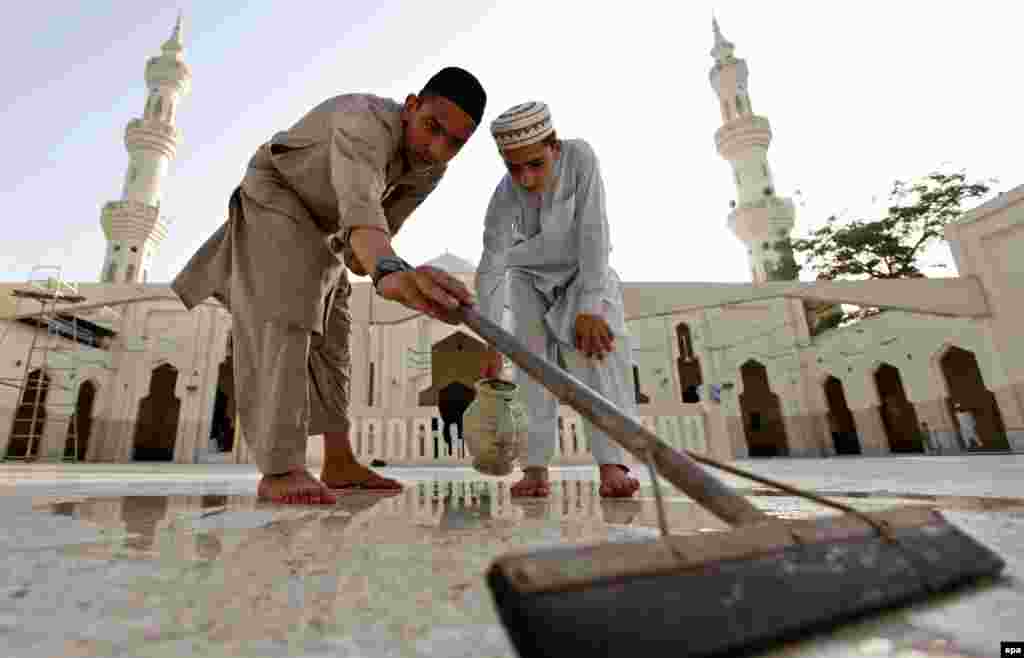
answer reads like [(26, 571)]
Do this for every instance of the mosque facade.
[(118, 371)]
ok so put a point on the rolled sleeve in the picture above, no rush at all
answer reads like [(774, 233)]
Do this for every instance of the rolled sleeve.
[(361, 145)]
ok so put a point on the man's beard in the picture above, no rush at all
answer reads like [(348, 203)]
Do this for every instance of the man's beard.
[(420, 162), (414, 161)]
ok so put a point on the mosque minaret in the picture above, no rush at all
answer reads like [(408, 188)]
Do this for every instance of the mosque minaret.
[(759, 218), (133, 225)]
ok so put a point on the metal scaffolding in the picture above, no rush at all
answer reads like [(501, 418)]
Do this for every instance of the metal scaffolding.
[(55, 356)]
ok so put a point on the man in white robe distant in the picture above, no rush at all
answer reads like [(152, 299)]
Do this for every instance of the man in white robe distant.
[(968, 427), (547, 230)]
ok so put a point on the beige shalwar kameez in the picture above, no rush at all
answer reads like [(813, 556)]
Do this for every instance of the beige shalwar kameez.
[(279, 264)]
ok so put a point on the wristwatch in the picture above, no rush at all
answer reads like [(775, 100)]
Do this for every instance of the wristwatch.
[(389, 265)]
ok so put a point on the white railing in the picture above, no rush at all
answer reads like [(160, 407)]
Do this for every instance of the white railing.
[(418, 440)]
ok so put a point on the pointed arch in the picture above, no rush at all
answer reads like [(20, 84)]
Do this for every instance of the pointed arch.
[(691, 376), (842, 425), (899, 417), (763, 423), (76, 444), (156, 428), (972, 406), (455, 357)]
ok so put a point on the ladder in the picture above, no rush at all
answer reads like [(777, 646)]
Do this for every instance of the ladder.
[(51, 363)]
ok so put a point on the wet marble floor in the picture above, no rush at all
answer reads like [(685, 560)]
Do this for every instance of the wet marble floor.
[(139, 560)]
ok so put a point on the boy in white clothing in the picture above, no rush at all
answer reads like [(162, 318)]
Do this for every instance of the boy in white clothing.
[(546, 228)]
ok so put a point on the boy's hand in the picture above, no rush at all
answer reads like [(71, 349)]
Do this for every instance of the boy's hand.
[(491, 363), (593, 336)]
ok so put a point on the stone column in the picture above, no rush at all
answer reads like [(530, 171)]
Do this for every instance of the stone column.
[(1011, 406), (871, 431), (804, 434), (821, 434), (737, 438), (9, 403), (60, 405), (717, 433), (185, 440), (239, 451)]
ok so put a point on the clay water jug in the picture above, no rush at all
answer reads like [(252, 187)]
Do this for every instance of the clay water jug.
[(495, 427)]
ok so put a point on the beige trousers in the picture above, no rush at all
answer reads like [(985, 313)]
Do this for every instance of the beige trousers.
[(291, 383)]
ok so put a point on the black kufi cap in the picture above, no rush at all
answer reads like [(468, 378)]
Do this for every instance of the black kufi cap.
[(460, 87)]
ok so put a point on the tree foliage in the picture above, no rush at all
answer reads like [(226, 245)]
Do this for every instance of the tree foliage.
[(890, 247)]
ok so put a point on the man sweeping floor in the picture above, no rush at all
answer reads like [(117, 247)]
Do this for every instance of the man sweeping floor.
[(325, 196), (547, 228)]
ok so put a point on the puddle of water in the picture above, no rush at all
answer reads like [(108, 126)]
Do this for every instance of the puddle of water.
[(469, 506), (225, 569)]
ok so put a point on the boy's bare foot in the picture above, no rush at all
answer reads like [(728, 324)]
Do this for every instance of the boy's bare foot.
[(533, 485), (297, 487), (357, 476), (615, 483)]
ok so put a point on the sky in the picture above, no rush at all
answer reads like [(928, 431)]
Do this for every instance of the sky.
[(858, 95)]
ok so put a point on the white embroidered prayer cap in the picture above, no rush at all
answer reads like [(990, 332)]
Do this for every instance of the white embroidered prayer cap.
[(522, 125)]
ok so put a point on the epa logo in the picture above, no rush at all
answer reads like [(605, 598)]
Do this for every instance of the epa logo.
[(1012, 648)]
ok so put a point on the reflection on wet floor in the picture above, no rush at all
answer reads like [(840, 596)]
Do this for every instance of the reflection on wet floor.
[(375, 574), (474, 505), (575, 513)]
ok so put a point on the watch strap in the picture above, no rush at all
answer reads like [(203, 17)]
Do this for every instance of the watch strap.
[(389, 265)]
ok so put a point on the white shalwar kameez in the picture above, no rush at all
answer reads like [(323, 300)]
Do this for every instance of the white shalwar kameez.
[(555, 254)]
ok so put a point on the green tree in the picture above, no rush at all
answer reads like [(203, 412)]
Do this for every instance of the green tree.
[(890, 247)]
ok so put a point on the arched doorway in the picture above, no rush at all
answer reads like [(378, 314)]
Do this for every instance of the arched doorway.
[(762, 413), (899, 418), (690, 376), (840, 419), (157, 426), (30, 418), (967, 389), (453, 360), (82, 421), (222, 426), (452, 401)]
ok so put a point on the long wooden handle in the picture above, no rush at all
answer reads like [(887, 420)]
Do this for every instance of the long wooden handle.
[(677, 468)]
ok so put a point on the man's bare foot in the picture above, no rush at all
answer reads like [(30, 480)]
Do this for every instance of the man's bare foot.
[(615, 483), (357, 476), (297, 487), (533, 485)]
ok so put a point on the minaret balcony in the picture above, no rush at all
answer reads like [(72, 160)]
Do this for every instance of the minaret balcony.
[(743, 134), (168, 71), (151, 134), (133, 221), (753, 221)]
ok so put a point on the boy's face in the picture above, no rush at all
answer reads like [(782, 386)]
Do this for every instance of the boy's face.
[(436, 129), (532, 167)]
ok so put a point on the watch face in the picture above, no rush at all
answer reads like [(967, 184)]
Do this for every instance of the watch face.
[(389, 265)]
